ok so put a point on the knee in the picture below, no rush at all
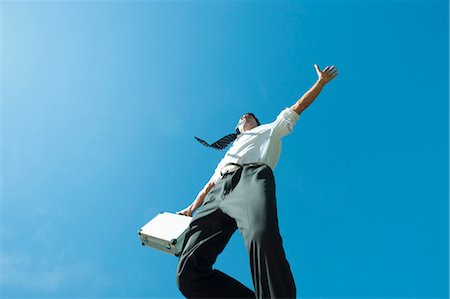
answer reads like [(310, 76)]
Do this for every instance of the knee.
[(189, 284), (181, 282), (186, 281), (264, 235)]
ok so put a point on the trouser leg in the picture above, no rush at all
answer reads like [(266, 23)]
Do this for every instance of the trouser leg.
[(209, 232), (252, 204)]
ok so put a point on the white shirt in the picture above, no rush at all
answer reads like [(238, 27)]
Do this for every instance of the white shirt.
[(260, 144)]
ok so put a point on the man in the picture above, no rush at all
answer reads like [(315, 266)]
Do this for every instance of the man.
[(241, 194)]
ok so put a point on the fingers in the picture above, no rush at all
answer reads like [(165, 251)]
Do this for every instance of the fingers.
[(328, 69), (183, 213), (328, 72), (331, 71), (334, 73)]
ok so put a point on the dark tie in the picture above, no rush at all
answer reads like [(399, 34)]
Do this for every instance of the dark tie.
[(222, 142)]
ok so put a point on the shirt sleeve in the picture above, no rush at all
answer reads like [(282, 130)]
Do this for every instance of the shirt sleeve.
[(284, 124), (217, 175)]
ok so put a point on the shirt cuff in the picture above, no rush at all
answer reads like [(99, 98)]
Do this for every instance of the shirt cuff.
[(291, 115)]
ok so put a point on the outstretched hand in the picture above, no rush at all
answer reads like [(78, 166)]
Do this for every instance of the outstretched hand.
[(328, 73)]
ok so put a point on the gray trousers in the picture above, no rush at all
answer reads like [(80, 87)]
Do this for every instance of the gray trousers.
[(244, 199)]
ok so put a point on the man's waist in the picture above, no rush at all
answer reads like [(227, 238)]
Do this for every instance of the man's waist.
[(232, 167)]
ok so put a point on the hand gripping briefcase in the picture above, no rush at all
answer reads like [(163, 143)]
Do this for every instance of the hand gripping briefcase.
[(165, 232)]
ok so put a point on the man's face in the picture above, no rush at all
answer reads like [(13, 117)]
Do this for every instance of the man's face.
[(246, 123)]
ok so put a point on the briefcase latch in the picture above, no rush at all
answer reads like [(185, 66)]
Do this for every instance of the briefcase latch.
[(171, 243)]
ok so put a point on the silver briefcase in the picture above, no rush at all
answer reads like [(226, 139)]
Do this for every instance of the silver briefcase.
[(165, 232)]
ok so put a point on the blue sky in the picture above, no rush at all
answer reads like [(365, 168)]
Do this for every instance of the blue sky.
[(100, 102)]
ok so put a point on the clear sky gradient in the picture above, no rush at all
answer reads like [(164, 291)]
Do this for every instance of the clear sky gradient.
[(100, 103)]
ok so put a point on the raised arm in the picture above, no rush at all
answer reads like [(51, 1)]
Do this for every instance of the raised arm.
[(198, 200), (324, 77)]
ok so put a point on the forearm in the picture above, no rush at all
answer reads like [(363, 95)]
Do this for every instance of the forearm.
[(201, 197), (308, 97)]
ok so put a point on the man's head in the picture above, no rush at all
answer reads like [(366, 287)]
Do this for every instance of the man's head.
[(247, 122)]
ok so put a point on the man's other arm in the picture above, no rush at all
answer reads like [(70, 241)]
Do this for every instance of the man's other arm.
[(198, 200)]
